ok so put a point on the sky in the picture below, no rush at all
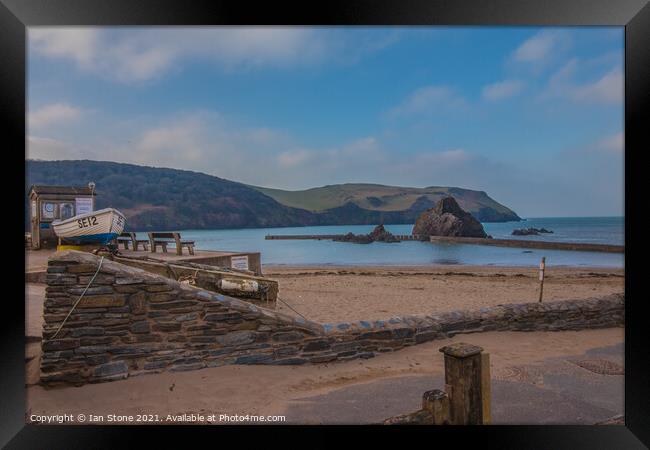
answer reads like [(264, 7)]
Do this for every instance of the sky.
[(532, 115)]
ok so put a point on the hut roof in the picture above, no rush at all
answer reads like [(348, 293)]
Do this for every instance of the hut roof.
[(72, 190)]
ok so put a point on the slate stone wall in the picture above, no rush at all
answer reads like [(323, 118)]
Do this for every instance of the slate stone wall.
[(131, 322)]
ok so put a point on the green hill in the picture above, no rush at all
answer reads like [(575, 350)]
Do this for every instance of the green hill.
[(377, 197), (166, 199)]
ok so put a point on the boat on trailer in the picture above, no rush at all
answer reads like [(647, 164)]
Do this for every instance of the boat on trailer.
[(95, 227)]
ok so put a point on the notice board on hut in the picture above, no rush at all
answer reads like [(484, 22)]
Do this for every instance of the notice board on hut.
[(83, 205)]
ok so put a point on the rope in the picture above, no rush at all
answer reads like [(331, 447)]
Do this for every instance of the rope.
[(279, 299), (172, 272), (80, 297)]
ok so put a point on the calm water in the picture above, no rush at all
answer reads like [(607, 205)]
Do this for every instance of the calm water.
[(601, 230)]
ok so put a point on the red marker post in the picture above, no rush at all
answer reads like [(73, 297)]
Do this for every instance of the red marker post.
[(542, 267)]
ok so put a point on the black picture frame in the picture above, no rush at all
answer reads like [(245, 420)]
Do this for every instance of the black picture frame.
[(634, 15)]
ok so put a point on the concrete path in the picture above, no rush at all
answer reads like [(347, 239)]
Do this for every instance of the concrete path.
[(34, 296), (584, 389)]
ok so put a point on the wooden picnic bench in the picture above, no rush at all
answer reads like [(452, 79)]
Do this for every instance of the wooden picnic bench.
[(129, 236), (163, 239)]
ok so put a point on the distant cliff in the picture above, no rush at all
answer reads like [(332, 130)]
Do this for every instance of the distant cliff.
[(374, 203), (166, 199)]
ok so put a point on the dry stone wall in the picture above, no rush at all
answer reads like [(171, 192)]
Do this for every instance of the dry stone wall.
[(130, 322)]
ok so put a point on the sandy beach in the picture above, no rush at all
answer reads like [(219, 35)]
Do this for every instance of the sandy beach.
[(333, 294)]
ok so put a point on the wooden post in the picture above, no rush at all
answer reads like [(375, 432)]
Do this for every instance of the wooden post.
[(464, 383), (486, 388), (436, 402), (542, 267)]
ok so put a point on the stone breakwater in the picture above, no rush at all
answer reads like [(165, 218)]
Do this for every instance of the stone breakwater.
[(131, 322)]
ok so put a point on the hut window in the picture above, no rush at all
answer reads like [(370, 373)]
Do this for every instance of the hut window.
[(49, 210), (66, 210)]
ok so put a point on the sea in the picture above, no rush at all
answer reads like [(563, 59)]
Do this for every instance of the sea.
[(599, 230)]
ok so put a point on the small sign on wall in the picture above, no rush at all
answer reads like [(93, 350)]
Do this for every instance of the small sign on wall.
[(239, 262), (83, 205)]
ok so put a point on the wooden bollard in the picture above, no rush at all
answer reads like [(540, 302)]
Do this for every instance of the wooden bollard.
[(436, 402), (467, 381), (486, 389), (542, 268)]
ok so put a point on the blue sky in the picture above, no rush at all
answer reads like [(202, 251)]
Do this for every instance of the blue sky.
[(533, 116)]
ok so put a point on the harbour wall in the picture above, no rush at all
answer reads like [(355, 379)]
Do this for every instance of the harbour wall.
[(130, 322), (319, 237), (517, 243), (521, 243)]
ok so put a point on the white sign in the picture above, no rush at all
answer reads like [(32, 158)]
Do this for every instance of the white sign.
[(239, 262), (83, 205)]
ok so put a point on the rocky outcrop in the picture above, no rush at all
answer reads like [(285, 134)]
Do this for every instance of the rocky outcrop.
[(447, 218), (382, 235), (379, 234), (530, 231)]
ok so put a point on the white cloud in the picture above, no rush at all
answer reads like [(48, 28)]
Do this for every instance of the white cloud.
[(438, 167), (608, 88), (294, 158), (542, 47), (502, 89), (348, 157), (52, 114), (51, 149), (363, 146), (454, 156), (182, 139), (76, 43), (144, 54), (613, 144), (563, 75), (429, 99)]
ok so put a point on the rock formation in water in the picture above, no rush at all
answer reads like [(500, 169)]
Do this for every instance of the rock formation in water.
[(379, 234), (447, 218), (530, 231), (382, 235)]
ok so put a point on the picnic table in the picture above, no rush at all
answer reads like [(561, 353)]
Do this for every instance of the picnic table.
[(164, 239), (129, 236)]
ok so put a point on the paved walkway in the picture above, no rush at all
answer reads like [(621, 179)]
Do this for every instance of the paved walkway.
[(579, 390)]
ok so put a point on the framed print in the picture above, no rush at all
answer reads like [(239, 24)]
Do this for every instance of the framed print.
[(413, 218)]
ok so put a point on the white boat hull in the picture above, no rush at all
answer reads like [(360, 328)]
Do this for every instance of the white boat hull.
[(100, 227)]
